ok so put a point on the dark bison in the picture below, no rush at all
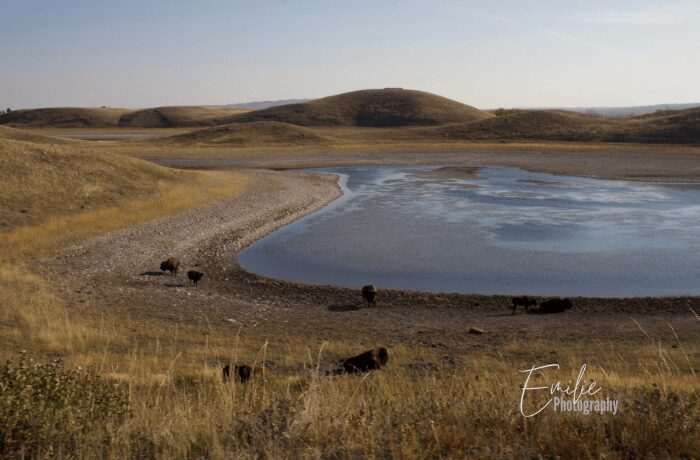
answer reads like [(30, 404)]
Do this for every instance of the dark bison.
[(171, 265), (194, 276), (559, 305), (369, 295), (367, 361), (242, 372), (524, 301)]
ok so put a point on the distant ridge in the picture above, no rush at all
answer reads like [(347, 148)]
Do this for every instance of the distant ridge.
[(259, 105), (64, 117), (628, 111), (81, 117)]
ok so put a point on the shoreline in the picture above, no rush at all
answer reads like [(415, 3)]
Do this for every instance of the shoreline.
[(232, 299)]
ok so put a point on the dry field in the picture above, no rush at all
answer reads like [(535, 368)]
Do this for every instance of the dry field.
[(85, 227)]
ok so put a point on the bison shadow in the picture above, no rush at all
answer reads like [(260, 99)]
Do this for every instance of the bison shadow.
[(175, 285), (344, 307), (152, 273)]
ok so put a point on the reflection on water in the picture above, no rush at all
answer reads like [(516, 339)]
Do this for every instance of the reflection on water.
[(492, 230)]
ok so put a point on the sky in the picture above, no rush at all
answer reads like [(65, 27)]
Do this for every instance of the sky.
[(489, 54)]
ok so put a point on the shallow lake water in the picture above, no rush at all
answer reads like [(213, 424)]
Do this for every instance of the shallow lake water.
[(491, 230)]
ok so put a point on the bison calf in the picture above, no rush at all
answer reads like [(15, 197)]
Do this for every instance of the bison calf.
[(367, 361), (555, 305), (171, 265), (194, 276), (523, 300), (369, 295)]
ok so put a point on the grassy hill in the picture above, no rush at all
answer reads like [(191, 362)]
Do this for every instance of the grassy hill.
[(669, 127), (159, 117), (176, 117), (676, 127), (370, 108), (249, 134), (42, 179), (64, 117), (527, 125)]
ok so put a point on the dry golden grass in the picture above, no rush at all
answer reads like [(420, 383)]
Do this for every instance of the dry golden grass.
[(180, 407)]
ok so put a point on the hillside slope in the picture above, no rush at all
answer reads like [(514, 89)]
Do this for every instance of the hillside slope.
[(253, 133), (676, 127), (370, 108), (41, 180), (64, 117), (176, 117), (528, 125), (672, 127)]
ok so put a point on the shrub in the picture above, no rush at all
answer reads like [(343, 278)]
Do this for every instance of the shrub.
[(47, 410)]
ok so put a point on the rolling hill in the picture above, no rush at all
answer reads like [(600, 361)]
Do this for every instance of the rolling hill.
[(253, 133), (176, 117), (675, 127), (390, 107), (671, 127), (158, 117), (63, 117), (528, 125), (405, 115)]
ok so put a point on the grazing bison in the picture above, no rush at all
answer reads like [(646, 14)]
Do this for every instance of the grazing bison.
[(194, 276), (367, 361), (369, 295), (523, 300), (242, 371), (559, 305), (171, 265)]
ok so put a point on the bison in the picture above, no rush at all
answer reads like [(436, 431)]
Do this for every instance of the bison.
[(171, 265), (367, 361), (242, 371), (558, 305), (523, 300), (369, 295), (194, 276)]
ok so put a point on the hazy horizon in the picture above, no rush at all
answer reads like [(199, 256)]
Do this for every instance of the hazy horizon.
[(215, 52)]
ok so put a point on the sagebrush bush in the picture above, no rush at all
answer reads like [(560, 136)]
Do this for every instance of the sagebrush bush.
[(47, 409)]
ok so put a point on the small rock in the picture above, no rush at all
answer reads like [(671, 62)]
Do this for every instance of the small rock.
[(476, 330), (231, 320)]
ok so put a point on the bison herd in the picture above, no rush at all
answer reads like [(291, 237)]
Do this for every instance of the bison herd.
[(373, 359), (172, 264)]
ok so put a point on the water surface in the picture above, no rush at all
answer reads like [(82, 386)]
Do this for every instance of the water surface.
[(491, 230)]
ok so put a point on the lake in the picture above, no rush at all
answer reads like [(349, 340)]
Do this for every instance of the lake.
[(491, 230)]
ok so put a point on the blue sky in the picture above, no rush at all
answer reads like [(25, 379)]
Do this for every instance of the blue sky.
[(485, 53)]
